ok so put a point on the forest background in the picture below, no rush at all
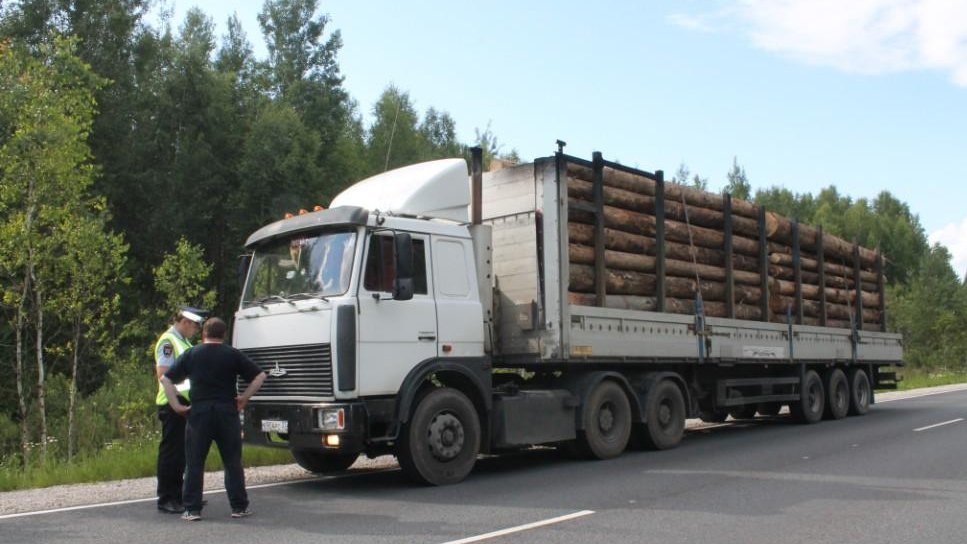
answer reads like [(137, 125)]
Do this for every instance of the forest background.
[(136, 157)]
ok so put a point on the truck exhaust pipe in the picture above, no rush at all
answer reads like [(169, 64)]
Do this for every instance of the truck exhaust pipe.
[(476, 185)]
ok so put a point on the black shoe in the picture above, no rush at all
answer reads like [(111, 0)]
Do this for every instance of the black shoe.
[(171, 507)]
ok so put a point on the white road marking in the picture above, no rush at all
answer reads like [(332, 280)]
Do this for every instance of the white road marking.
[(520, 528), (213, 491), (938, 424)]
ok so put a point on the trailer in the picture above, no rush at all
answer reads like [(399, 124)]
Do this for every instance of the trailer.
[(581, 304)]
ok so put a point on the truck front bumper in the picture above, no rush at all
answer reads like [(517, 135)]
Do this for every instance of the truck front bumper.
[(338, 427)]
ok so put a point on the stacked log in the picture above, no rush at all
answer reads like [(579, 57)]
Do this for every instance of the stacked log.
[(837, 281)]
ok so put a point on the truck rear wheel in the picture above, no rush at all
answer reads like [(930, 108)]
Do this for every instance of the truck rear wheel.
[(439, 445), (837, 400), (859, 399), (812, 399), (321, 462), (607, 422), (664, 416)]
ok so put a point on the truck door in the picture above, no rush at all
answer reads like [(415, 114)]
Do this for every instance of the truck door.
[(394, 335), (459, 314)]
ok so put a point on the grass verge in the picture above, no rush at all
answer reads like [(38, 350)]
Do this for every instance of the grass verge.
[(118, 462), (915, 378)]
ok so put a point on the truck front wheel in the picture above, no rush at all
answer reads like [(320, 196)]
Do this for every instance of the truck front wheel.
[(320, 462), (439, 445)]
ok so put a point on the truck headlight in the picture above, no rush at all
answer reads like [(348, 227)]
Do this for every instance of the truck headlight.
[(332, 419)]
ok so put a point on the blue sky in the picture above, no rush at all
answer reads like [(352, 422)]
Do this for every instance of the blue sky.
[(868, 95)]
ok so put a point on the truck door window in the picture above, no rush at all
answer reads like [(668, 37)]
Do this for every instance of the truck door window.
[(379, 265)]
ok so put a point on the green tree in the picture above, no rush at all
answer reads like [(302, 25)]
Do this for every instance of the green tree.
[(439, 134), (738, 184), (304, 73), (183, 277), (930, 311), (85, 296), (46, 111), (281, 174), (681, 175), (394, 139)]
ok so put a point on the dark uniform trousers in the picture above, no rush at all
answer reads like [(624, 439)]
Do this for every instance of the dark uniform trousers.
[(171, 455), (210, 421)]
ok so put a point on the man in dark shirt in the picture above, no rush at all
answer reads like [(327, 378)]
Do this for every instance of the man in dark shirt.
[(213, 415)]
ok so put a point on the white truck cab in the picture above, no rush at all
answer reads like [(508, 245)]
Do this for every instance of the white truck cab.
[(343, 304)]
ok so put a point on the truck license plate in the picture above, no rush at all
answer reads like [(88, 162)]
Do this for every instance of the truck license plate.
[(275, 426)]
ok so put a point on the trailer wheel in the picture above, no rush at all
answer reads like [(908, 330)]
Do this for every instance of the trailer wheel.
[(664, 416), (769, 408), (439, 445), (859, 399), (812, 399), (607, 423), (320, 462), (838, 391)]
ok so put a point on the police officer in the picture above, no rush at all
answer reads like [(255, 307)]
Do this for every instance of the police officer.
[(171, 451), (213, 414)]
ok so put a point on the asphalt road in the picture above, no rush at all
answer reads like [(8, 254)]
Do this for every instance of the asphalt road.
[(896, 475)]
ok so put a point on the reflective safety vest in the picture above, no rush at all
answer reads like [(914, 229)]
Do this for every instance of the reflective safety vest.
[(179, 344)]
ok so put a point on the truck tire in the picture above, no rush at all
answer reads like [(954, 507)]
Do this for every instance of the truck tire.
[(837, 395), (321, 462), (812, 399), (439, 444), (607, 423), (859, 398), (664, 416)]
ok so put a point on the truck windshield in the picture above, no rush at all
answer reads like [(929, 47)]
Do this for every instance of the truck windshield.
[(303, 266)]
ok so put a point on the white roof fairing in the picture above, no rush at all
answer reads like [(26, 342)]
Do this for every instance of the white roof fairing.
[(437, 189)]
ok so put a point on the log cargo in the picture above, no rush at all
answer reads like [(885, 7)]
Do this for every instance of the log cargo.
[(778, 228), (695, 255), (617, 240)]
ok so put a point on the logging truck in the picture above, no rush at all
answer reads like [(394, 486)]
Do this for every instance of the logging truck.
[(435, 314)]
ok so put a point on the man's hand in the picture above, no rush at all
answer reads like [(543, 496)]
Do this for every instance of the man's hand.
[(240, 402), (182, 410)]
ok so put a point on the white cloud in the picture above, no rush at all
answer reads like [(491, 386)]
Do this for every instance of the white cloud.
[(863, 36), (954, 237), (691, 22)]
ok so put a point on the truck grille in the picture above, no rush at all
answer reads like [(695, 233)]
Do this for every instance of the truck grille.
[(294, 371)]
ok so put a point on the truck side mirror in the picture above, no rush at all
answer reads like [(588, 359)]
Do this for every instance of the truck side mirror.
[(244, 262), (403, 254)]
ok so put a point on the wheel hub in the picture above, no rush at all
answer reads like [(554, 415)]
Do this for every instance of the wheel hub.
[(664, 415), (445, 436), (606, 419)]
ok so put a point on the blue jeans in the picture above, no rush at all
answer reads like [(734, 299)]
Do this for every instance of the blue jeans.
[(218, 422)]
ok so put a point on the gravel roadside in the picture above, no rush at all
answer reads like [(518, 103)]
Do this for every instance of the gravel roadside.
[(63, 496)]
